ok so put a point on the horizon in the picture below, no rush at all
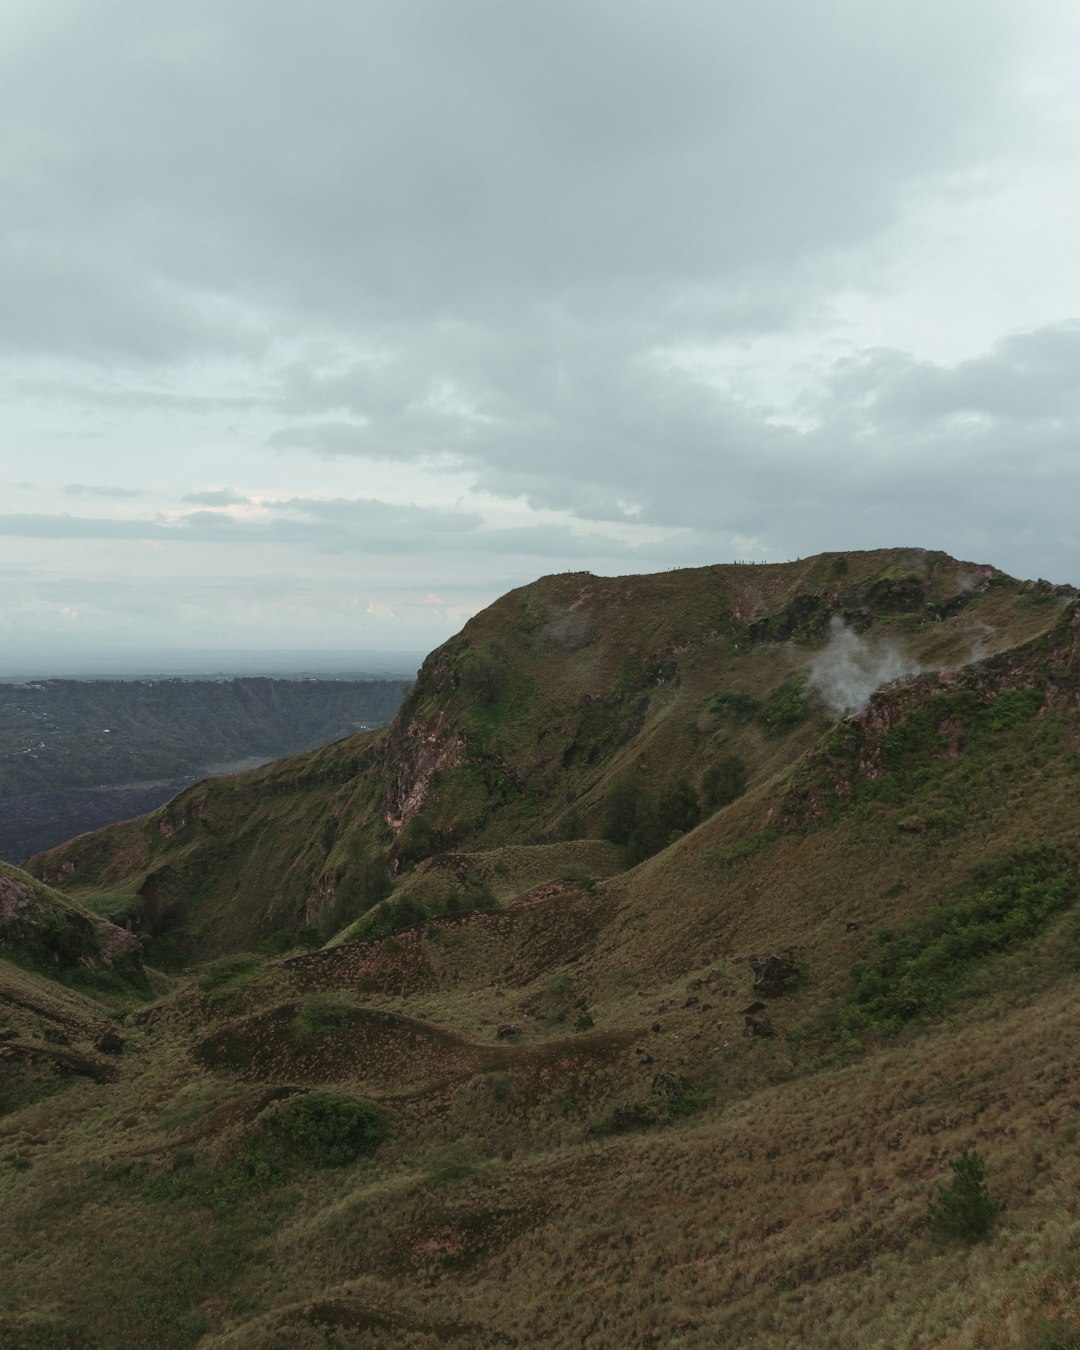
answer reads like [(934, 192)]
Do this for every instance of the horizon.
[(209, 663)]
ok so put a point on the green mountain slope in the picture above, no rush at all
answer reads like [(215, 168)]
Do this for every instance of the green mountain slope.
[(705, 1099)]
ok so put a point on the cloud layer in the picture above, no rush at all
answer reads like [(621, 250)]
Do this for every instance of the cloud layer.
[(457, 294)]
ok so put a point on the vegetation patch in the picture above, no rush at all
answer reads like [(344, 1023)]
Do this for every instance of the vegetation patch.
[(786, 707), (322, 1017), (645, 822), (228, 975), (963, 1208), (918, 973), (326, 1129)]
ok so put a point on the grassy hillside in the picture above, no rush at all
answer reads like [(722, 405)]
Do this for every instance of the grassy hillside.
[(532, 1095)]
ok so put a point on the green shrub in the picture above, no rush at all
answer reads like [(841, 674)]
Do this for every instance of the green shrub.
[(584, 1021), (483, 674), (322, 1017), (326, 1129), (963, 1208), (228, 973), (646, 822), (723, 782), (786, 705), (915, 973)]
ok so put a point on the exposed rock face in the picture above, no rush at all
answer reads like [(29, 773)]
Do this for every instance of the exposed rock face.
[(758, 1026), (421, 749)]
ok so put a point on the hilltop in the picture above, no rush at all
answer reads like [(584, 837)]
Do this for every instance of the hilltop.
[(635, 986)]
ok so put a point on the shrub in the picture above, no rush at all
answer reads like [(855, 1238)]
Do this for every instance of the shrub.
[(646, 822), (326, 1128), (723, 782), (963, 1208), (916, 973), (483, 674), (322, 1017)]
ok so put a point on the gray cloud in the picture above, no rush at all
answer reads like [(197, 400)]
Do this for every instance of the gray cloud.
[(330, 252), (216, 497), (96, 490), (193, 172)]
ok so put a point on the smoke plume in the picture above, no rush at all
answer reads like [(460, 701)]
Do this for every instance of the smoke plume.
[(850, 668)]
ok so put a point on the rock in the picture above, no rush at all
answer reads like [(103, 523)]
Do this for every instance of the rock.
[(507, 1032), (852, 927), (758, 1026), (755, 1007), (692, 1001), (656, 1027), (110, 1043), (773, 972)]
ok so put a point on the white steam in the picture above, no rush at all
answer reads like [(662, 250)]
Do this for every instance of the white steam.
[(850, 668)]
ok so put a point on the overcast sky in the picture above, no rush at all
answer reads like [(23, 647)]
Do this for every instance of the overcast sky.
[(323, 324)]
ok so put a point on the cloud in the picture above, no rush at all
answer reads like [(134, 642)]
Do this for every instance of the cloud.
[(216, 497), (496, 289), (422, 161), (94, 490)]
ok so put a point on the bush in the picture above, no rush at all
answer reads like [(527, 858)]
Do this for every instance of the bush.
[(326, 1129), (963, 1208), (483, 674), (322, 1017), (723, 782), (646, 822)]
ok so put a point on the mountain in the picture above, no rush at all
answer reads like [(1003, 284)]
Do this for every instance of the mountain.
[(676, 937)]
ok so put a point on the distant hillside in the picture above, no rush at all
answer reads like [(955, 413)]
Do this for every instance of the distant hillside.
[(78, 754), (646, 982)]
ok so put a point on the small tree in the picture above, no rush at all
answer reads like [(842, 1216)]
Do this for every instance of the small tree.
[(963, 1208)]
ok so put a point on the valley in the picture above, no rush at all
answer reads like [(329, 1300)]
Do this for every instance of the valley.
[(76, 755)]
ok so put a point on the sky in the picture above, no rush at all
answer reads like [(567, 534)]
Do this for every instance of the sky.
[(322, 325)]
